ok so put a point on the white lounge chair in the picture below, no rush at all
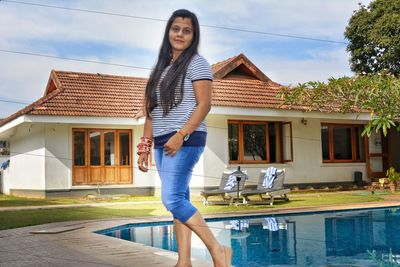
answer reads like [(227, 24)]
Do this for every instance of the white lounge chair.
[(267, 194)]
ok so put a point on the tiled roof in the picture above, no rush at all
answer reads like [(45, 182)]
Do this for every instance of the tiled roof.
[(237, 83), (245, 93), (85, 94)]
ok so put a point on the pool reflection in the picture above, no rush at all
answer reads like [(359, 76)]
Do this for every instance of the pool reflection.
[(265, 241), (340, 238)]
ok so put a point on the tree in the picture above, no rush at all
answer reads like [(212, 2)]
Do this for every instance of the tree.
[(374, 37), (374, 43), (378, 94)]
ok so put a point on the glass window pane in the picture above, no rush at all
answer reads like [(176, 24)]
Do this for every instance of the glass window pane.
[(109, 149), (325, 142), (376, 164), (233, 141), (272, 142), (375, 143), (79, 148), (360, 144), (287, 141), (254, 136), (124, 149), (342, 143), (95, 148)]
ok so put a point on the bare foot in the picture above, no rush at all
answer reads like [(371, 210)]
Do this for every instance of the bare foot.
[(183, 265), (222, 257)]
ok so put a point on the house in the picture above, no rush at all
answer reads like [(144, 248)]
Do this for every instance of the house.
[(81, 137)]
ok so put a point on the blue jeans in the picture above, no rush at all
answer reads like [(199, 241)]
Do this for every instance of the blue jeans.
[(175, 173)]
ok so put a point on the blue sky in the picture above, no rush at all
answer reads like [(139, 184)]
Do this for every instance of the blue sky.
[(135, 42)]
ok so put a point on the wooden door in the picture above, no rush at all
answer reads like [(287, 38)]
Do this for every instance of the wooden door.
[(109, 164), (125, 158), (80, 163), (378, 159), (96, 171), (102, 156)]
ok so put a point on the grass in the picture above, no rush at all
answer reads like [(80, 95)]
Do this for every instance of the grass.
[(12, 201), (15, 219)]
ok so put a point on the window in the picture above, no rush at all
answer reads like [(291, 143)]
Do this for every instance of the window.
[(79, 148), (101, 156), (4, 148), (95, 148), (259, 142), (342, 143), (124, 148), (109, 149)]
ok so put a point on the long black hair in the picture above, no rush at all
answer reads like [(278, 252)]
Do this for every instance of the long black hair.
[(171, 87)]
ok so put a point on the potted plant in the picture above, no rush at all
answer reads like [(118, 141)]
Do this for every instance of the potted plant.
[(393, 177)]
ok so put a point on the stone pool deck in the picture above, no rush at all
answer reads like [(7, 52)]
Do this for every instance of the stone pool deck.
[(74, 243)]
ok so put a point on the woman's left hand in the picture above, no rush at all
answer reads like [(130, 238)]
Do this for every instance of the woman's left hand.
[(173, 144)]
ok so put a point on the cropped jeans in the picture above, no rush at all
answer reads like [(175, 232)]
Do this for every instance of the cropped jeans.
[(175, 173)]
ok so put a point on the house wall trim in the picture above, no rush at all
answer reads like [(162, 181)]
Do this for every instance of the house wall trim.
[(236, 111)]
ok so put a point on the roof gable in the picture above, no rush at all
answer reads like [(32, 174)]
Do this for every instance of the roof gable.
[(53, 83), (238, 68)]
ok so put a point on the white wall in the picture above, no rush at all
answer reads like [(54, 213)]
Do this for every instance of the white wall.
[(26, 169), (58, 160), (215, 157), (307, 166)]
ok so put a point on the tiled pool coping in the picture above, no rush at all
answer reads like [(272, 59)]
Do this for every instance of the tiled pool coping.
[(19, 247)]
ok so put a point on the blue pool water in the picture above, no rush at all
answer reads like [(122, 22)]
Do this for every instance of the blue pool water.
[(309, 239)]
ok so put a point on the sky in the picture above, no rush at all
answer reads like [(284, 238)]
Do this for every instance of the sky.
[(131, 32)]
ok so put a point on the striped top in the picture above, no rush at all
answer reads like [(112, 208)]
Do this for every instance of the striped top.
[(198, 69)]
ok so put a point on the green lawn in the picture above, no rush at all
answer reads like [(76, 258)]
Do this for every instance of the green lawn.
[(11, 201), (15, 219)]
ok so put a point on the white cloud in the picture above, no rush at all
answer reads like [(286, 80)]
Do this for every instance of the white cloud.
[(320, 68)]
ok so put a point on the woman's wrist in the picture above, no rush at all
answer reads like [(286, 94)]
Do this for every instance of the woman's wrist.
[(145, 145), (185, 136)]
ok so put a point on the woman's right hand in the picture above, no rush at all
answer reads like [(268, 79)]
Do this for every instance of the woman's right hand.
[(143, 162)]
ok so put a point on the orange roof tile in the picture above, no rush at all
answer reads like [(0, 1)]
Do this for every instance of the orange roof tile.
[(98, 95), (87, 94), (245, 93)]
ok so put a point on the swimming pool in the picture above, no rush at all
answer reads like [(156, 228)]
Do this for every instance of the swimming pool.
[(341, 238)]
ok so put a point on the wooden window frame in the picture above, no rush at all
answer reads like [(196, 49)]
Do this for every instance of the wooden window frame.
[(291, 142), (117, 136), (241, 159), (87, 165), (352, 127)]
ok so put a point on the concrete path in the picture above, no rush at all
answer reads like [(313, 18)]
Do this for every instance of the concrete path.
[(78, 245)]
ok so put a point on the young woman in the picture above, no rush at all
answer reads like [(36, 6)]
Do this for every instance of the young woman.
[(177, 100)]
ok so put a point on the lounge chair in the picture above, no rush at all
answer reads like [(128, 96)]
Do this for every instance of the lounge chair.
[(226, 192), (267, 194)]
